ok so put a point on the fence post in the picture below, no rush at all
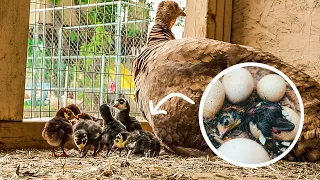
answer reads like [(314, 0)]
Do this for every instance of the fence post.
[(34, 69), (59, 74), (118, 49), (66, 86), (103, 62)]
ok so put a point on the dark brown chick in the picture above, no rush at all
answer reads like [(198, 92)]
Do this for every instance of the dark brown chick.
[(58, 130), (87, 133), (112, 127), (74, 109), (123, 116), (85, 116), (139, 143)]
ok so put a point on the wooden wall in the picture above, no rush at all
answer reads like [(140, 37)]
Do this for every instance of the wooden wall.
[(14, 18), (209, 19), (290, 29)]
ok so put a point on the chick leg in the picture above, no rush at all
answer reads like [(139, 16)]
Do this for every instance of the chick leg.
[(108, 152), (53, 152), (96, 149), (128, 154), (120, 150), (64, 154), (84, 152), (100, 148)]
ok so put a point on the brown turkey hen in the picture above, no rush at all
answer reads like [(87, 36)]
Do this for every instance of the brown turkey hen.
[(187, 66)]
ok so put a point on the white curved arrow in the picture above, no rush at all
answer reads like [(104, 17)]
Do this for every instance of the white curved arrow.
[(154, 110)]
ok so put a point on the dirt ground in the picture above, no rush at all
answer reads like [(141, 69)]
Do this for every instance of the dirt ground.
[(39, 164)]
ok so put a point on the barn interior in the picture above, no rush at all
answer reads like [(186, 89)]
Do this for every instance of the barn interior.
[(59, 52)]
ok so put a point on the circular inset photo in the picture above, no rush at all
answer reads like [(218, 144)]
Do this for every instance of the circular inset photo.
[(251, 115)]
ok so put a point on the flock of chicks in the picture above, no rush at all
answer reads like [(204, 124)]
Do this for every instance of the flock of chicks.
[(121, 132), (261, 114)]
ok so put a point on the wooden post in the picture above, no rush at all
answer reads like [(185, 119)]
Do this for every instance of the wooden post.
[(209, 19), (14, 24)]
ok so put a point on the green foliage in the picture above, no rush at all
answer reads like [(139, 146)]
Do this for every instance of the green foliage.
[(99, 44), (55, 2), (73, 36), (133, 31)]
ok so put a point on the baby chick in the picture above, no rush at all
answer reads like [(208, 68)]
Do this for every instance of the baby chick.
[(268, 118), (227, 124), (74, 109), (66, 112), (123, 116), (58, 130), (138, 142), (112, 127), (85, 116), (228, 119), (87, 133)]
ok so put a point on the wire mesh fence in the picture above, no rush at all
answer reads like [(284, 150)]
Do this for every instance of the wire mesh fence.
[(81, 52)]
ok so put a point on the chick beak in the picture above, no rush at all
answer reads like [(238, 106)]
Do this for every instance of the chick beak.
[(73, 116), (222, 130), (183, 14), (116, 105), (81, 147)]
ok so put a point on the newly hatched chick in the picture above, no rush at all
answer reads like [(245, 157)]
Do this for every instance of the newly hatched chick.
[(71, 117), (112, 127), (268, 118), (74, 108), (87, 133), (229, 118), (138, 142), (85, 116), (228, 122), (58, 130), (266, 122), (123, 116)]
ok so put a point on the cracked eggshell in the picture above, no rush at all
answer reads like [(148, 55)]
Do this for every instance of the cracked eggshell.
[(293, 117), (244, 151), (238, 85), (214, 100), (271, 87), (254, 130)]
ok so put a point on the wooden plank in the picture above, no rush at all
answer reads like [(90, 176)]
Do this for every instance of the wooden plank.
[(26, 135), (220, 20), (14, 24), (196, 20), (227, 21), (211, 19)]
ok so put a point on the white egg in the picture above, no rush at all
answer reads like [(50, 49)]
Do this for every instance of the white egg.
[(238, 85), (293, 117), (214, 100), (244, 151), (271, 87)]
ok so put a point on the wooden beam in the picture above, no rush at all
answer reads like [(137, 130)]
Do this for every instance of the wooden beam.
[(196, 20), (14, 24), (209, 19), (227, 21)]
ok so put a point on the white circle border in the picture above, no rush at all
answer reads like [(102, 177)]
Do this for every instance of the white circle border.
[(216, 78)]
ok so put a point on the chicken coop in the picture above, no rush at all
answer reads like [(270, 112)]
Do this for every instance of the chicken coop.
[(82, 53), (59, 52)]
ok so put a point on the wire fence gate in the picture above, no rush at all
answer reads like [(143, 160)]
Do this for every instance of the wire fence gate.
[(81, 52)]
